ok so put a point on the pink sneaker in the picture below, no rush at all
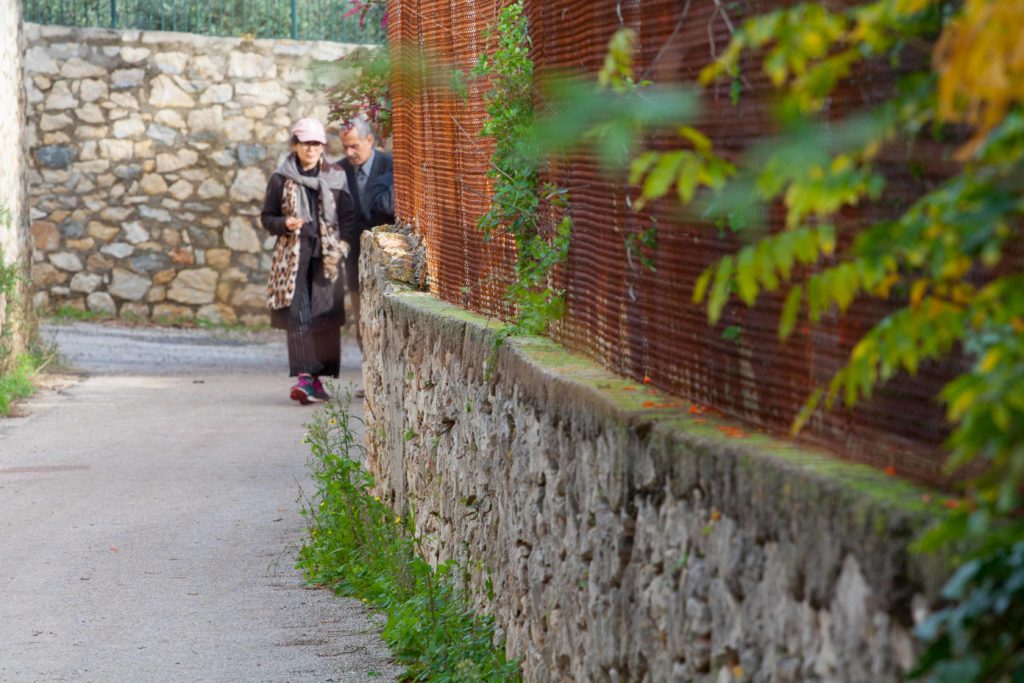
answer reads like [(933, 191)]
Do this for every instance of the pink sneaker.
[(318, 390), (303, 390)]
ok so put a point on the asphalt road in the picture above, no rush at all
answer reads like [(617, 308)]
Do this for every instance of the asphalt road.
[(149, 521)]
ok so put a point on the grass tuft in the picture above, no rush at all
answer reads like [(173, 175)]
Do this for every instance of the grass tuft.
[(361, 548)]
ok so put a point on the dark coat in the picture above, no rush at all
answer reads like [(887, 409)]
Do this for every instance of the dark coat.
[(377, 208), (328, 298)]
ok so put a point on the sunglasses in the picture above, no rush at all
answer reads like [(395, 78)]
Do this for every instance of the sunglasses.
[(311, 143)]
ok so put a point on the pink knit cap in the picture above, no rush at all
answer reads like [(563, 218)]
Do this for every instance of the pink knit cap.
[(309, 130)]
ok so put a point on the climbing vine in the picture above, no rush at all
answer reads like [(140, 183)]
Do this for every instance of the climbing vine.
[(943, 262), (518, 195)]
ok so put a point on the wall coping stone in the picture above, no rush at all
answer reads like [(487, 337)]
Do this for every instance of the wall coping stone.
[(790, 491)]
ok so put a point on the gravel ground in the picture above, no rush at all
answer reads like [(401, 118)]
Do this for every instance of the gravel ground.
[(149, 523)]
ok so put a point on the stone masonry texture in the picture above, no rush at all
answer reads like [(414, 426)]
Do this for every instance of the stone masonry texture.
[(626, 543), (14, 240), (150, 155)]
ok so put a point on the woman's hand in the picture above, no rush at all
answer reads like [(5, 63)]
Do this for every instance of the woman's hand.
[(293, 224)]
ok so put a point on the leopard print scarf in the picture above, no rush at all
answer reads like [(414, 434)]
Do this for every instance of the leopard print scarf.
[(284, 267)]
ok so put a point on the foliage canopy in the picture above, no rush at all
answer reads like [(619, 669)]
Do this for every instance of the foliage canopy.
[(944, 262)]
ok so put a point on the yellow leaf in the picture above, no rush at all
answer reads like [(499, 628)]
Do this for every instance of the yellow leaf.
[(991, 359), (917, 292), (961, 404), (980, 67)]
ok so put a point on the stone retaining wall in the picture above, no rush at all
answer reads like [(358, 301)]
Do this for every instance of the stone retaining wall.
[(14, 242), (630, 536), (151, 154)]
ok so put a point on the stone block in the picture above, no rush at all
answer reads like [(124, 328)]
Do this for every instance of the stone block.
[(135, 233), (39, 61), (171, 118), (145, 149), (116, 150), (45, 236), (170, 162), (164, 92), (255, 320), (218, 258), (153, 183), (209, 67), (181, 190), (102, 232), (164, 277), (241, 236), (251, 297), (50, 122), (98, 264), (55, 156), (90, 113), (217, 94), (83, 245), (134, 55), (124, 100), (131, 310), (125, 79), (249, 186), (209, 120), (170, 237), (117, 250), (172, 312), (46, 275), (194, 286), (79, 68), (101, 302), (238, 129), (149, 260), (128, 171), (66, 261), (249, 65), (156, 294), (90, 168), (170, 62), (211, 189), (130, 127), (262, 93), (91, 132), (91, 90), (218, 314), (163, 134), (183, 257), (60, 97), (86, 283), (128, 285)]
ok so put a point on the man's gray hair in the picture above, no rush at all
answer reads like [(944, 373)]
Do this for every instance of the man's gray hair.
[(361, 126)]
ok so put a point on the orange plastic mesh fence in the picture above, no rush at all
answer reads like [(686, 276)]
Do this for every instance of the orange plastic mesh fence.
[(636, 321)]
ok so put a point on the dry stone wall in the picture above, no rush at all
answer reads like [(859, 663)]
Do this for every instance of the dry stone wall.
[(151, 152), (14, 242), (626, 542)]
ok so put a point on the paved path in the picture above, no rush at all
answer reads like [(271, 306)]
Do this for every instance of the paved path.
[(149, 524)]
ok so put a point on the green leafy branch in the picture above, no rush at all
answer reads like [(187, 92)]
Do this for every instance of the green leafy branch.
[(518, 194), (941, 260)]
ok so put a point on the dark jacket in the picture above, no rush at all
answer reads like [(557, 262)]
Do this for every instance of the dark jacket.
[(327, 297), (377, 208)]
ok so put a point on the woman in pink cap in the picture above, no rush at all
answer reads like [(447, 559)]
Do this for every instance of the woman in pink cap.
[(309, 208)]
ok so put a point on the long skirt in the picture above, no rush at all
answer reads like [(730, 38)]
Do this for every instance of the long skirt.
[(313, 322)]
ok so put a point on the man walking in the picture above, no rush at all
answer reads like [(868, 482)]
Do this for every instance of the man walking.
[(371, 181)]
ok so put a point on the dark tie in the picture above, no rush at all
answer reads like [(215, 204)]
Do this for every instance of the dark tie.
[(361, 178)]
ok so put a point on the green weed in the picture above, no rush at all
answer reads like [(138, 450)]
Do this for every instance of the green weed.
[(17, 383), (359, 547)]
